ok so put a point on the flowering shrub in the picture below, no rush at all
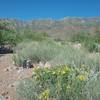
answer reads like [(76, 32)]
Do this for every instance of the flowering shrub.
[(61, 82), (55, 83)]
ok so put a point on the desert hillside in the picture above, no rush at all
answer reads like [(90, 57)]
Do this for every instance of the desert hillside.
[(50, 59)]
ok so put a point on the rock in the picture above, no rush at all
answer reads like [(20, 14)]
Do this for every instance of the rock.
[(11, 85), (2, 98), (6, 97), (20, 70), (27, 63), (41, 64), (47, 65), (6, 49), (6, 70), (4, 93), (17, 68), (77, 46)]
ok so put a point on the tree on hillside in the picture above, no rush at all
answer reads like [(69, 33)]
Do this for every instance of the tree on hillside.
[(7, 33)]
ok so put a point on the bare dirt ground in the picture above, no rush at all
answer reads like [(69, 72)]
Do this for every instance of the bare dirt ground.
[(9, 76)]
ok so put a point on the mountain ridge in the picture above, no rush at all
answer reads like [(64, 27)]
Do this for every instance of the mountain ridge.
[(58, 28)]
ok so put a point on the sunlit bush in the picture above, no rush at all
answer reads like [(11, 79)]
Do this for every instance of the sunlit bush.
[(55, 83)]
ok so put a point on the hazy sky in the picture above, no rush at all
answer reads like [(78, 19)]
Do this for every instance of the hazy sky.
[(35, 9)]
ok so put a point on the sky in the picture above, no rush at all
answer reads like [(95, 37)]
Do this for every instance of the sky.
[(55, 9)]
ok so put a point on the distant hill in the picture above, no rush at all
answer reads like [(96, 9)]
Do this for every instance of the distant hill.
[(58, 28)]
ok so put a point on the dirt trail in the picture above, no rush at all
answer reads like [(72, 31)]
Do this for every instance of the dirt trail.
[(9, 76)]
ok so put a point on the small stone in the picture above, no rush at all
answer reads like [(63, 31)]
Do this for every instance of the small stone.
[(47, 65), (6, 97), (2, 98), (7, 92), (3, 93), (12, 85), (7, 70), (41, 64), (17, 68)]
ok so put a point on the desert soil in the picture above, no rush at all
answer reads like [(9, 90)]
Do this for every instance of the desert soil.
[(9, 77)]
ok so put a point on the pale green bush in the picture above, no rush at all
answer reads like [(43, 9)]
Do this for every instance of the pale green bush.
[(37, 51), (56, 54), (92, 88)]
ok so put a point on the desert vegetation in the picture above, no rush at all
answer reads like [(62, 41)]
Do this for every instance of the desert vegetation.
[(71, 47)]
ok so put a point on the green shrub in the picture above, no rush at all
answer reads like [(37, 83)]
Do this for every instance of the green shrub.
[(37, 51), (8, 35), (88, 41), (49, 51), (33, 36), (56, 83), (55, 53)]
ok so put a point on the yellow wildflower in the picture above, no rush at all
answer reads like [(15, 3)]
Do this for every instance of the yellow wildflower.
[(45, 95), (37, 78), (63, 72), (67, 69), (82, 77)]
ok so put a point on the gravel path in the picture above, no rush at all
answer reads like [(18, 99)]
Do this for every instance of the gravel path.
[(9, 76)]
